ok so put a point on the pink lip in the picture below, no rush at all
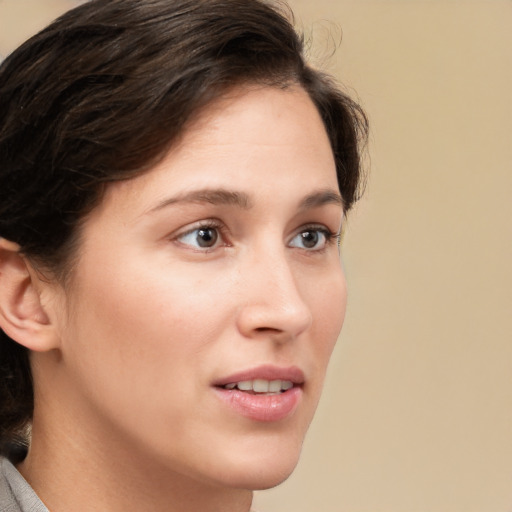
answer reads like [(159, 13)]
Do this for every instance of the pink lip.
[(260, 407)]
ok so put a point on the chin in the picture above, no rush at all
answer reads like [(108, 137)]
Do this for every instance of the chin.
[(264, 471), (271, 480), (265, 478)]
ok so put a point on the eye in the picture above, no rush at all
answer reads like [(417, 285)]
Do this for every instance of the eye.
[(312, 239), (201, 237)]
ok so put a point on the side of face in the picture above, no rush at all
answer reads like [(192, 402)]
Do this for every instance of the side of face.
[(218, 266)]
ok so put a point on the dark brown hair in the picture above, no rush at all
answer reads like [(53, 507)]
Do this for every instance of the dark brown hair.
[(102, 93)]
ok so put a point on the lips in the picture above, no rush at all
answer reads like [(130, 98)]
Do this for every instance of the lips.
[(265, 393)]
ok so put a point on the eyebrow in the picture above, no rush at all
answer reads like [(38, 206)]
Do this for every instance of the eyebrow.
[(242, 200), (212, 196), (321, 198)]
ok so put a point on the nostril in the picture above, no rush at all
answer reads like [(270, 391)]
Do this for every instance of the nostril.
[(267, 329)]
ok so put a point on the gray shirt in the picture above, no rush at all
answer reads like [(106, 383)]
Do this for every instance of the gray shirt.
[(16, 495)]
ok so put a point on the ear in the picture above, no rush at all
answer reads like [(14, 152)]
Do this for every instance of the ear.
[(22, 316)]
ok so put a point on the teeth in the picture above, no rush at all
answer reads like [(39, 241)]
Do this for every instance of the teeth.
[(286, 384), (245, 385), (274, 386), (261, 385)]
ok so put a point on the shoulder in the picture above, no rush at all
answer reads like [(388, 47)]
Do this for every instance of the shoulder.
[(16, 495), (7, 499)]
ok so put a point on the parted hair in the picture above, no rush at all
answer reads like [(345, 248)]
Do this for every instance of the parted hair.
[(102, 94)]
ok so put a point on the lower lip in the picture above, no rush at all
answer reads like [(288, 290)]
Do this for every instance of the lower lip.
[(265, 408)]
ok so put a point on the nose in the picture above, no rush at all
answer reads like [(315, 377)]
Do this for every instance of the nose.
[(272, 304)]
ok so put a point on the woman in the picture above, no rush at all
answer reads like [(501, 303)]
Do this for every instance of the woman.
[(173, 184)]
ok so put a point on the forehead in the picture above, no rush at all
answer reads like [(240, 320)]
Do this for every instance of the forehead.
[(252, 139)]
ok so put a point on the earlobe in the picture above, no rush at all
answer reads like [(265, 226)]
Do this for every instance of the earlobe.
[(22, 316)]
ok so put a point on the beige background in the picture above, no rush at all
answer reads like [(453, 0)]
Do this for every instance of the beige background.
[(417, 414)]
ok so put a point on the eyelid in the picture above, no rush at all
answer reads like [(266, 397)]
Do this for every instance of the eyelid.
[(318, 227)]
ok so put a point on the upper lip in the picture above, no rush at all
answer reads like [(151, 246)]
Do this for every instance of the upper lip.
[(265, 372)]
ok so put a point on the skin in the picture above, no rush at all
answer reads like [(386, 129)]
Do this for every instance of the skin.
[(126, 415)]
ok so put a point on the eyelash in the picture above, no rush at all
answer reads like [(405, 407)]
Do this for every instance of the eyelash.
[(211, 224)]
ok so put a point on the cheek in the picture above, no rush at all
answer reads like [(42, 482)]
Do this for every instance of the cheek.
[(133, 342), (142, 317), (330, 303)]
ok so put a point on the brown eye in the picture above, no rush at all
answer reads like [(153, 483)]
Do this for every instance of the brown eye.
[(207, 237), (203, 237), (311, 239)]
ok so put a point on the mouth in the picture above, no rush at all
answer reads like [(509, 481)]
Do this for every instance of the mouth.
[(263, 394), (261, 386)]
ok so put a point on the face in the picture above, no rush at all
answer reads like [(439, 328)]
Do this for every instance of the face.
[(209, 294)]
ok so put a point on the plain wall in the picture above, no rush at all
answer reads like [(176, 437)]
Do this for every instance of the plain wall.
[(417, 411)]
